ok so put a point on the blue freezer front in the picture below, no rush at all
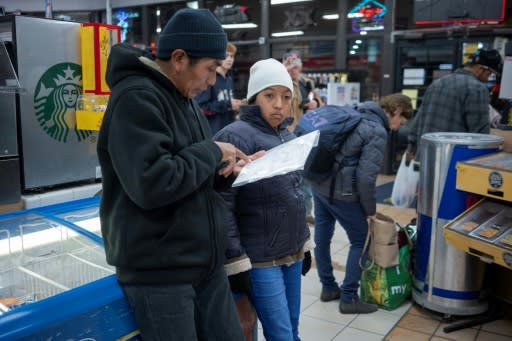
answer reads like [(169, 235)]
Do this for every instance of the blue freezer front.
[(55, 283)]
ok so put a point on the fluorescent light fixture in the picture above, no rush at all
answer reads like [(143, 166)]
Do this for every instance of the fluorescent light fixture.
[(287, 34), (363, 33), (355, 47), (157, 12), (331, 16), (352, 52), (235, 26), (359, 41), (193, 4), (280, 2)]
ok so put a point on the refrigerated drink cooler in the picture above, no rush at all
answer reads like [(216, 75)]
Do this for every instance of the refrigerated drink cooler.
[(46, 56), (55, 283)]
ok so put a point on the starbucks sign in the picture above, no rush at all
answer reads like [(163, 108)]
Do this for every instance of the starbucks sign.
[(55, 98)]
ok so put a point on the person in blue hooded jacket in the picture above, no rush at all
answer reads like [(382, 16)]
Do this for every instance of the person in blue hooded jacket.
[(354, 199), (268, 237)]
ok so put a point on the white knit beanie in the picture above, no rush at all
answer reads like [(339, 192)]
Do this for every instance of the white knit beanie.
[(266, 73)]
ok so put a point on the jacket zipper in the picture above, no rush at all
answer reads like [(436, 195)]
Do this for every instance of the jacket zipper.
[(211, 216)]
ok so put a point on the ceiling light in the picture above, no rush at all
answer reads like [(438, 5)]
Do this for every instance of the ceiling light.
[(193, 4), (286, 34), (363, 33), (352, 52), (280, 2), (330, 16), (243, 25), (359, 41)]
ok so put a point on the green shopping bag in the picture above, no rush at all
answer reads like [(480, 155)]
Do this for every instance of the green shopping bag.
[(387, 287)]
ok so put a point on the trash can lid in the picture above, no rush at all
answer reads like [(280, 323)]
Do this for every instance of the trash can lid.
[(463, 138)]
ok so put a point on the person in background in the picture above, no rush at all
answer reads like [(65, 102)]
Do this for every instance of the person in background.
[(269, 242), (458, 102), (163, 222), (217, 101), (304, 99), (354, 199)]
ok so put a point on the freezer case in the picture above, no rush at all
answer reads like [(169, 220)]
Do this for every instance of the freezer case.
[(55, 283)]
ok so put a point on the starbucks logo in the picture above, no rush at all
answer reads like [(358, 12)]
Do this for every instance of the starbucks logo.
[(55, 99)]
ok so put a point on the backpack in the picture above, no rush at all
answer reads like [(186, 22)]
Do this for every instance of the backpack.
[(335, 124)]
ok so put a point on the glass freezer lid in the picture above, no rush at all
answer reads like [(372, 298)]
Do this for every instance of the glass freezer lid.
[(40, 257), (87, 218)]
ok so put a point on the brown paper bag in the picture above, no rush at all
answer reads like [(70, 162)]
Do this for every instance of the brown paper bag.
[(383, 239)]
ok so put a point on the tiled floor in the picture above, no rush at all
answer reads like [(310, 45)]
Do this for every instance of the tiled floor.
[(321, 321)]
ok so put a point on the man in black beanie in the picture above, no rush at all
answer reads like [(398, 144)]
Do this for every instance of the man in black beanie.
[(163, 222)]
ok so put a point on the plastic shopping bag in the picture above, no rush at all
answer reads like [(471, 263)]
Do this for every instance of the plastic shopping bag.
[(405, 185), (387, 287)]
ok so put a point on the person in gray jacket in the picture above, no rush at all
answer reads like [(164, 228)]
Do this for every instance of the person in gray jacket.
[(354, 200)]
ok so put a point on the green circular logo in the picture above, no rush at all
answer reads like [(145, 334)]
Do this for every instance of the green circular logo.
[(55, 99)]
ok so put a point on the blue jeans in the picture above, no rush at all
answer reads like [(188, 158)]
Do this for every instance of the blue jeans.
[(276, 297), (353, 219), (186, 312)]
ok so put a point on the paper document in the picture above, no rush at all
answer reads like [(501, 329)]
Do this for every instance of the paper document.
[(285, 158)]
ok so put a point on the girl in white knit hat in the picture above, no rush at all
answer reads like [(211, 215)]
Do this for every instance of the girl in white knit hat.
[(268, 238)]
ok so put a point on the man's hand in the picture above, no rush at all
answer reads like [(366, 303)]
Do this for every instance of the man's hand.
[(235, 104), (229, 156), (241, 163)]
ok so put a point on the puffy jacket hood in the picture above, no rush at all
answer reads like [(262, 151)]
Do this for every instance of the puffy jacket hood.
[(370, 107)]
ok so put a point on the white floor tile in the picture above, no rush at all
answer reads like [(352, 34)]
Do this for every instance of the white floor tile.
[(328, 311), (311, 284), (312, 329), (307, 300), (380, 322), (353, 334)]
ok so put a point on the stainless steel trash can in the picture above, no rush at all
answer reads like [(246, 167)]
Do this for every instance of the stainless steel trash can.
[(446, 279)]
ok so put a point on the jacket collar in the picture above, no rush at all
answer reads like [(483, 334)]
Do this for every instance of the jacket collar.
[(252, 114)]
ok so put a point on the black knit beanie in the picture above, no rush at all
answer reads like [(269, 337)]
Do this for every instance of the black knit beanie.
[(196, 31)]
